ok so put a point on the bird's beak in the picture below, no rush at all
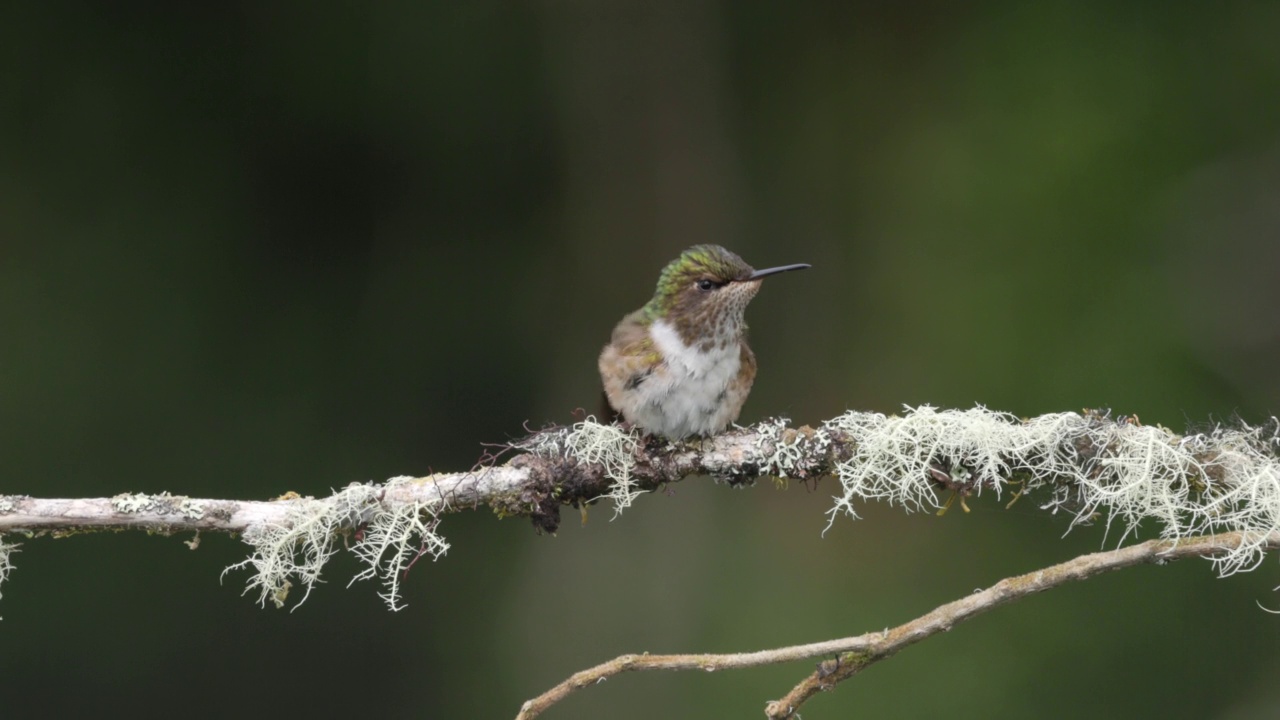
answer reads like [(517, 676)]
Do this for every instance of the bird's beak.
[(775, 270)]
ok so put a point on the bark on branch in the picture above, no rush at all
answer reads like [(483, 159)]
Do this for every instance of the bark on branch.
[(1215, 494), (537, 482)]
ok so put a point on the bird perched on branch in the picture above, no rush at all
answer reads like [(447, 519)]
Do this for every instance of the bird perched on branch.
[(680, 365)]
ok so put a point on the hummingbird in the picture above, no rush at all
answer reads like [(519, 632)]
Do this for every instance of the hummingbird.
[(680, 365)]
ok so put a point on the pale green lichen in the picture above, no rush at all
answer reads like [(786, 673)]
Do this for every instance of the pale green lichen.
[(785, 452), (394, 539), (612, 448), (7, 549), (1225, 480), (389, 537), (785, 455), (191, 509), (161, 504), (132, 503), (609, 446)]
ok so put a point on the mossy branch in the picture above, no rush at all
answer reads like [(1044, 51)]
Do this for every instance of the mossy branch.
[(1090, 465), (1224, 482)]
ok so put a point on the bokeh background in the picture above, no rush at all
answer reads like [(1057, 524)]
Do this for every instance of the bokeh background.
[(247, 248)]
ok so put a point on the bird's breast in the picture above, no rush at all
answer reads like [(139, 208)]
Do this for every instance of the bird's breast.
[(696, 391), (717, 365)]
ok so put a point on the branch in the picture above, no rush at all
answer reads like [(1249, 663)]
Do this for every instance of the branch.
[(1088, 465), (556, 468), (389, 526), (854, 654)]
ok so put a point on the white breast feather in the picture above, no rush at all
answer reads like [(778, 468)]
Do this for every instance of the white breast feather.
[(688, 398)]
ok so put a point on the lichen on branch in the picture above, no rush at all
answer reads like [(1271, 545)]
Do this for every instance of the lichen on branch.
[(387, 538), (1087, 464)]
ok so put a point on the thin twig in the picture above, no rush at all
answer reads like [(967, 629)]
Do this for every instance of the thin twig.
[(853, 654)]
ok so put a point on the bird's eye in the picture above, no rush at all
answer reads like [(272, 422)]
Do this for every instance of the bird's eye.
[(707, 285)]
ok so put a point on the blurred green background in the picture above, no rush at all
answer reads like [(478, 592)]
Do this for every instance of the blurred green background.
[(249, 248)]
